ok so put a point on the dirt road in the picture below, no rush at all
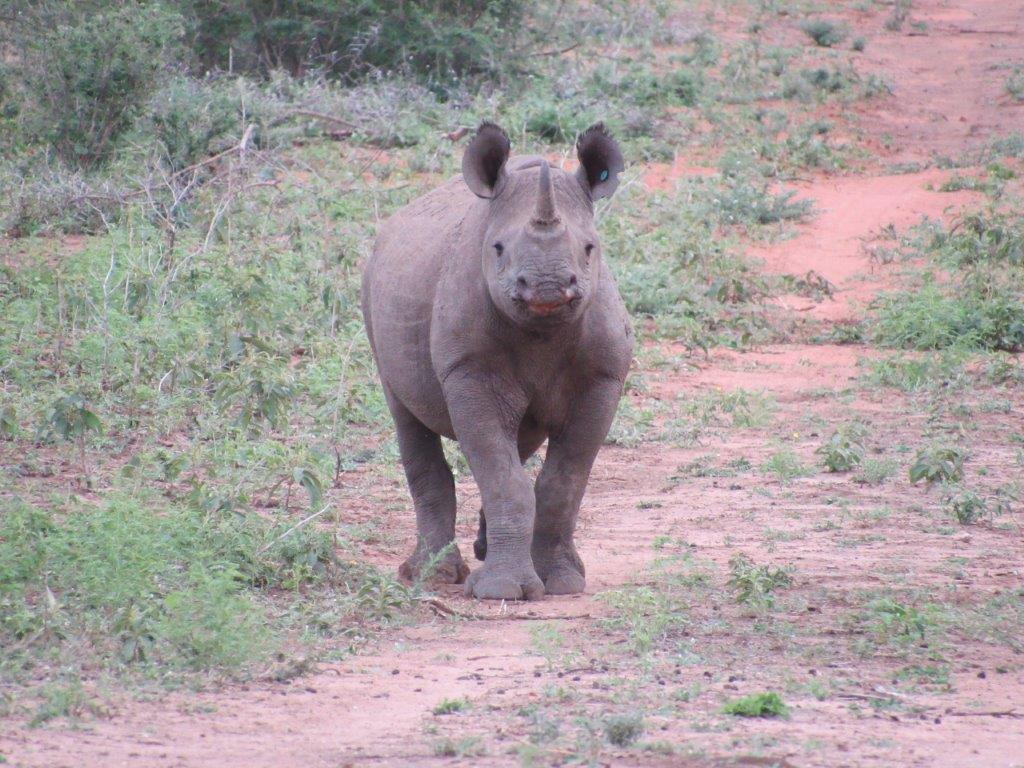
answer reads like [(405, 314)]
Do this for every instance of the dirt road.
[(842, 539)]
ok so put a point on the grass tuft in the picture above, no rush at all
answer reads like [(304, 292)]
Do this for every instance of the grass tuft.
[(823, 32), (768, 704)]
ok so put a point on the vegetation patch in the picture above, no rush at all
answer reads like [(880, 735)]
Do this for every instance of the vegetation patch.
[(767, 704)]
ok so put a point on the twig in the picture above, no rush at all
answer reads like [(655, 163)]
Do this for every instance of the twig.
[(447, 610), (291, 530), (318, 116), (560, 51), (997, 713)]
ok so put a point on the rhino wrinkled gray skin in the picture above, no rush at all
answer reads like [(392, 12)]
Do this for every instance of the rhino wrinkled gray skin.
[(494, 320)]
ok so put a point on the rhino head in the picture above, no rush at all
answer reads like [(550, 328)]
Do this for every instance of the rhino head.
[(540, 250)]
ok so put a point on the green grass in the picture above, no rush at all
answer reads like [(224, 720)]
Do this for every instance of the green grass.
[(451, 706), (767, 704), (876, 471), (980, 306), (118, 587), (785, 465)]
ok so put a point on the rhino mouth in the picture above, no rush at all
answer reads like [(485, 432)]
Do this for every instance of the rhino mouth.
[(545, 308)]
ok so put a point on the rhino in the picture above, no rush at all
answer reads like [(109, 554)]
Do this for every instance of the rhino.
[(494, 321)]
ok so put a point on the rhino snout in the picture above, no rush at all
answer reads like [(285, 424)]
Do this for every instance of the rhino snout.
[(543, 297)]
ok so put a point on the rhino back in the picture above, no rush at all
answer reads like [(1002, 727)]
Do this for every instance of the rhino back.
[(399, 290)]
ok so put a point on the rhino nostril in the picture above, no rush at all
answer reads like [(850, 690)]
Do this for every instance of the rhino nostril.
[(572, 280), (521, 283)]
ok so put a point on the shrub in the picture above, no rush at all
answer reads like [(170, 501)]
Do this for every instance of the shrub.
[(824, 33), (86, 70), (437, 42), (191, 118), (1015, 85), (623, 730)]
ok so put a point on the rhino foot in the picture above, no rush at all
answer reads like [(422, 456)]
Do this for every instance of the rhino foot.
[(451, 569), (560, 567), (494, 584), (565, 582)]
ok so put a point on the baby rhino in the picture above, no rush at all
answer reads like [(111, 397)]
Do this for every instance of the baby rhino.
[(494, 320)]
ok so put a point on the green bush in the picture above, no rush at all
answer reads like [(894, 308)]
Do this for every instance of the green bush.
[(823, 32), (86, 70), (190, 119), (438, 42)]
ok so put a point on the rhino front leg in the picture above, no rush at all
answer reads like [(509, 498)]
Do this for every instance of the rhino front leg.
[(531, 437), (561, 484), (485, 424), (433, 495)]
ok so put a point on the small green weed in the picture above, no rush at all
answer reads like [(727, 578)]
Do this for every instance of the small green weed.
[(468, 746), (623, 730), (938, 463), (876, 471), (767, 704), (451, 706), (1015, 85), (967, 506), (943, 369), (844, 450), (754, 585), (785, 465), (60, 700), (894, 619)]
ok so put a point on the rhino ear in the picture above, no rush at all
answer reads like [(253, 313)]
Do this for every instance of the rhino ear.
[(483, 164), (600, 161)]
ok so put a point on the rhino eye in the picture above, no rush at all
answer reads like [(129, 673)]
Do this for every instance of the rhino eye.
[(589, 247), (499, 249)]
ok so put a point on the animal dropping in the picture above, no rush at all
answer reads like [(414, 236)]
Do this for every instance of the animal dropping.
[(494, 321)]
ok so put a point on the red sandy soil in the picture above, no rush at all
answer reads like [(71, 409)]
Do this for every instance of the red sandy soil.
[(372, 709)]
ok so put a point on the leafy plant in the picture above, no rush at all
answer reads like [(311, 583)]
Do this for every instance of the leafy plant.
[(786, 465), (767, 704), (623, 730), (451, 706), (895, 618), (938, 464), (844, 450), (754, 585), (966, 506), (824, 33), (8, 422), (71, 419), (1015, 85)]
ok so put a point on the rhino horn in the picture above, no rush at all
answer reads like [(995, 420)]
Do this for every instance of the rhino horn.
[(544, 215)]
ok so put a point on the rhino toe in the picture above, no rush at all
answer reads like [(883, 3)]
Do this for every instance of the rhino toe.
[(565, 582), (486, 586)]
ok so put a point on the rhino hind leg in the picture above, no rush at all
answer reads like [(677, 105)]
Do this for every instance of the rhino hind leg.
[(436, 556)]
